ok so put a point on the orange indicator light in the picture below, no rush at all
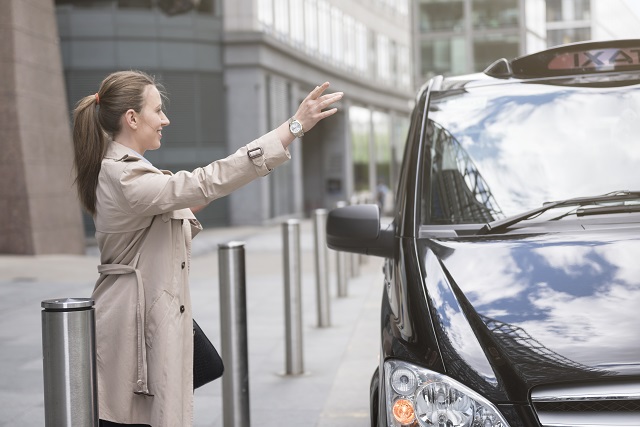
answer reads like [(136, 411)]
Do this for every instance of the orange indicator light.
[(403, 411)]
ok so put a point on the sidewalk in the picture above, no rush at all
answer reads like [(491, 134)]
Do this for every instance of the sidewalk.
[(338, 360)]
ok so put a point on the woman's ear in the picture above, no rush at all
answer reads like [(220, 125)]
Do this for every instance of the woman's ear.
[(131, 119)]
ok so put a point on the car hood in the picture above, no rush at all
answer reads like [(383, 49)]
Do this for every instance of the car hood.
[(511, 313)]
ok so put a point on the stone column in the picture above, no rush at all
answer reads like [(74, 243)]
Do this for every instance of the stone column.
[(39, 210)]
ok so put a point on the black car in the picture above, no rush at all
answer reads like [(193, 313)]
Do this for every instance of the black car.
[(512, 272)]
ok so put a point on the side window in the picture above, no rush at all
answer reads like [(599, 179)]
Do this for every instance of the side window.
[(454, 192)]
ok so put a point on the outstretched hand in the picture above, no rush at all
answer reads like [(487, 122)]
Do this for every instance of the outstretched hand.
[(312, 108), (311, 111)]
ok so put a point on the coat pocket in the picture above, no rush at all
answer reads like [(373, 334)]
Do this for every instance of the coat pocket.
[(157, 315)]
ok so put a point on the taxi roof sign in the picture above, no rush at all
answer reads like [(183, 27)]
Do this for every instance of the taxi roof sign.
[(572, 59)]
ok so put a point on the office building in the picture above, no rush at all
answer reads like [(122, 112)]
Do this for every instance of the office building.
[(235, 69), (465, 36)]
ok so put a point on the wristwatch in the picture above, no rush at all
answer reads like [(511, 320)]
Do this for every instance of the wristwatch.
[(296, 127)]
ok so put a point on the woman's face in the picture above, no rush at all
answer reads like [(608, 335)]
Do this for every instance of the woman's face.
[(152, 120)]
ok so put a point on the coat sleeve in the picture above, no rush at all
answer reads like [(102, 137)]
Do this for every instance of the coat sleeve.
[(148, 192)]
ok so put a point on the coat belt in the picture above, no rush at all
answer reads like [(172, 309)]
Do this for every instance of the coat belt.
[(142, 387)]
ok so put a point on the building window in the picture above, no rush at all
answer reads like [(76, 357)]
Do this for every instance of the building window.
[(324, 28), (281, 17), (382, 144), (362, 48), (265, 14), (486, 50), (404, 67), (495, 13), (360, 124), (296, 9), (350, 41), (561, 10), (441, 15), (443, 56), (567, 35), (337, 35), (320, 29), (172, 7), (383, 48), (311, 25)]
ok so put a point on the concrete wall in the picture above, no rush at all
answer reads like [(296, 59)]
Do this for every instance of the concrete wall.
[(39, 210)]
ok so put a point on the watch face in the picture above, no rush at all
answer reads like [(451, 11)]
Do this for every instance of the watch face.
[(295, 127)]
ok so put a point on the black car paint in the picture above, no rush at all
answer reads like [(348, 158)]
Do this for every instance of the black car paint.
[(414, 329), (423, 264)]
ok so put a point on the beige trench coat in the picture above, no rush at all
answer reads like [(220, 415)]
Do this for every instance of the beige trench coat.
[(143, 309)]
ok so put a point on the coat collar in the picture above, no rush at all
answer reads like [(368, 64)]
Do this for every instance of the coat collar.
[(120, 153)]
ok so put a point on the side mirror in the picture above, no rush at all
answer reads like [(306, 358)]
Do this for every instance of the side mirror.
[(358, 229)]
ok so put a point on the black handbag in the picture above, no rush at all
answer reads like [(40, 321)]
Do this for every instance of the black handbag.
[(207, 363)]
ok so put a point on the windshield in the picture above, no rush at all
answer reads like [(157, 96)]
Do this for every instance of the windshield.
[(496, 151)]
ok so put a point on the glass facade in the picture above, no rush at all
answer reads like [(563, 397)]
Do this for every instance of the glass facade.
[(567, 35), (464, 36), (360, 127), (323, 30), (568, 21), (188, 61), (382, 149), (561, 10), (168, 6), (486, 49), (379, 137), (496, 14), (441, 15), (443, 56)]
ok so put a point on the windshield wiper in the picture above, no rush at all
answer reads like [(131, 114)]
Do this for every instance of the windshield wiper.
[(501, 225), (608, 210)]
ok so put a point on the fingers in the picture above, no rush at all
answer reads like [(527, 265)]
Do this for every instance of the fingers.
[(327, 113), (314, 94), (327, 100), (311, 110)]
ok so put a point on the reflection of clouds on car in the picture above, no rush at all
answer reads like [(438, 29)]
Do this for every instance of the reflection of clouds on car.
[(548, 155), (626, 125), (566, 294)]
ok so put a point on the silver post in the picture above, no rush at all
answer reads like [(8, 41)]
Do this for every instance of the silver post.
[(292, 297), (233, 325), (69, 363), (353, 270), (322, 267), (355, 265), (342, 259)]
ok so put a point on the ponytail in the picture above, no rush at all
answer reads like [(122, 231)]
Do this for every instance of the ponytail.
[(90, 146), (96, 120)]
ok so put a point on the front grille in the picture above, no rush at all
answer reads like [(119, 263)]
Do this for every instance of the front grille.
[(588, 405)]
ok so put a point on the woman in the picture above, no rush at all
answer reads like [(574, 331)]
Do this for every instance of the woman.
[(144, 224)]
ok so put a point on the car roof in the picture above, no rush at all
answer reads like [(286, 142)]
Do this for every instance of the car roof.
[(591, 61)]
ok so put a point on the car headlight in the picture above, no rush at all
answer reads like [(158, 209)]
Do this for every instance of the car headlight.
[(419, 397)]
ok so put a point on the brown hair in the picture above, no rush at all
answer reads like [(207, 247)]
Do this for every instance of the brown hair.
[(96, 119)]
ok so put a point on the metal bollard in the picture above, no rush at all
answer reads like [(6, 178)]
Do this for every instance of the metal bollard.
[(322, 267), (355, 265), (342, 267), (292, 297), (69, 362), (233, 325), (353, 270)]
